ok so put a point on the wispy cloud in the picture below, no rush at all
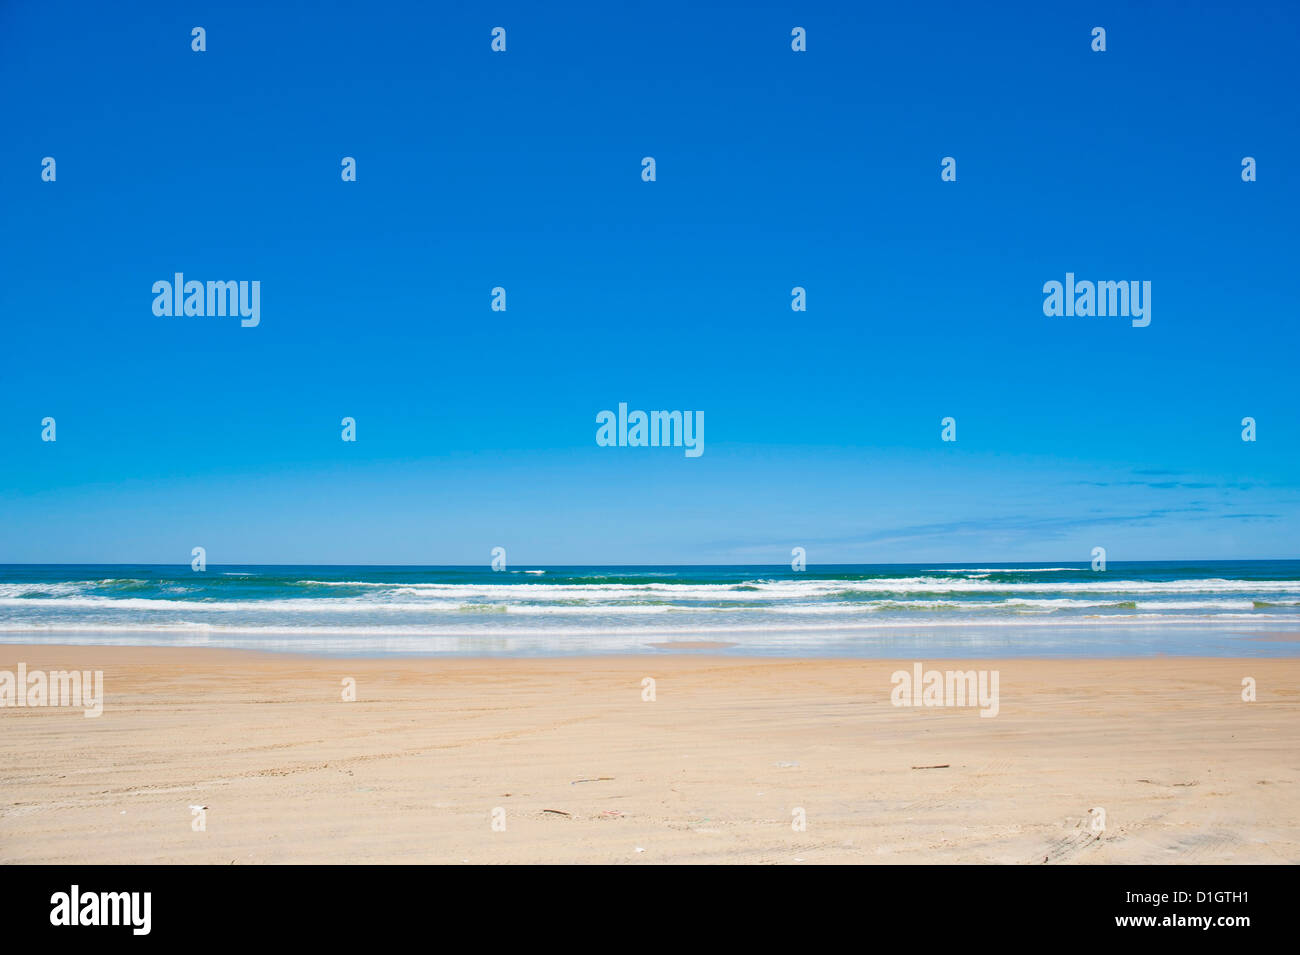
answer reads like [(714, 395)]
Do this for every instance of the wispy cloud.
[(1170, 485), (1011, 528)]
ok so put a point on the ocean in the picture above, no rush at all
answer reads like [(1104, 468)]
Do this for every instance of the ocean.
[(1235, 608)]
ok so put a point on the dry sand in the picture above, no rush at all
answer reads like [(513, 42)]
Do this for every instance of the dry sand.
[(586, 771)]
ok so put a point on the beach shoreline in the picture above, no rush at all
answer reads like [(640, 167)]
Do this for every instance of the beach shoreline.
[(578, 764), (887, 611)]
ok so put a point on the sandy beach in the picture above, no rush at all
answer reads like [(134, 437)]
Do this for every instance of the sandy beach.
[(1154, 760)]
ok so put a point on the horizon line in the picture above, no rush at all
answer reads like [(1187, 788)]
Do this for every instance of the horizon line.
[(1082, 563)]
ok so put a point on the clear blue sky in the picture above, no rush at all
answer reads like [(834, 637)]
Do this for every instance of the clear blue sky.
[(522, 169)]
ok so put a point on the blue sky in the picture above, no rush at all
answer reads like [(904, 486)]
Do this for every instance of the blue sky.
[(522, 170)]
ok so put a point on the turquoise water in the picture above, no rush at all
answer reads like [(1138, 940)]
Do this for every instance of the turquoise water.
[(870, 610)]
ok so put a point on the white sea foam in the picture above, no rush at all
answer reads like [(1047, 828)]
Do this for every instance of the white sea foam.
[(1004, 570), (616, 611), (784, 596), (760, 589), (838, 628)]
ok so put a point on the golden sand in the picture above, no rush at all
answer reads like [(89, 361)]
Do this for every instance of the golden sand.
[(1091, 761)]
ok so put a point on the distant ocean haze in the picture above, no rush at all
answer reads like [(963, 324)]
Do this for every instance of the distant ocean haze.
[(1204, 608)]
